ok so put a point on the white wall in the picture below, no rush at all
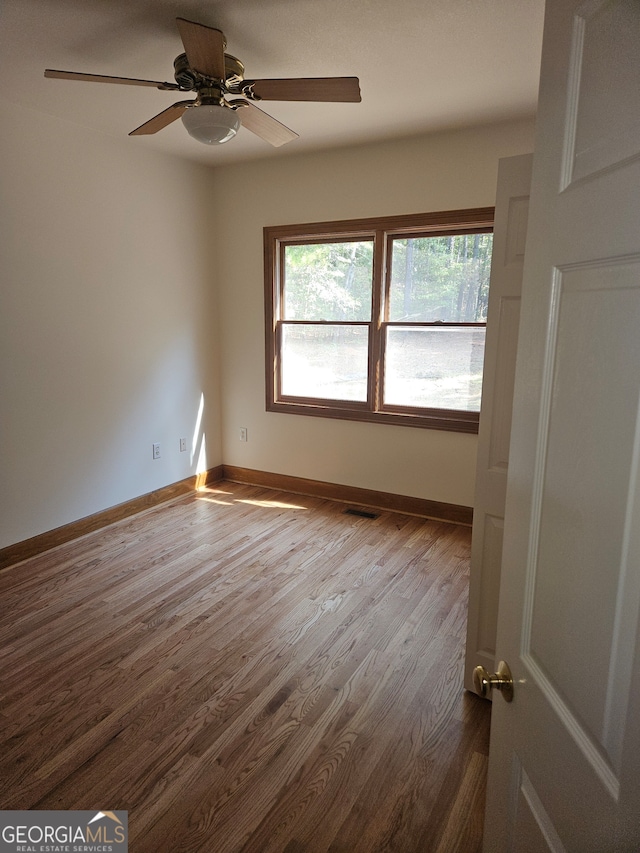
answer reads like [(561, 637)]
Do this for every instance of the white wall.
[(108, 325), (116, 265), (440, 172)]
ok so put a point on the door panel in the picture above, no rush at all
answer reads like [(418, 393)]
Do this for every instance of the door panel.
[(502, 399), (491, 557), (564, 768), (584, 491), (533, 831), (600, 135)]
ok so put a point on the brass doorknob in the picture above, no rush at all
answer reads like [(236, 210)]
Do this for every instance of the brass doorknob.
[(502, 680)]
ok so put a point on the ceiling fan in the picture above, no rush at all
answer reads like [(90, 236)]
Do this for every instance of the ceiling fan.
[(212, 117)]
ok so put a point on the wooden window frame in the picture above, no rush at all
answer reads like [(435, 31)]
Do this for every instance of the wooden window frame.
[(382, 230)]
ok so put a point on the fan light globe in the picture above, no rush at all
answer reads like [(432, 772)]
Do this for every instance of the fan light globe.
[(211, 124)]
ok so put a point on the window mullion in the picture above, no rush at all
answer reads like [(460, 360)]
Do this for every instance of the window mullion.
[(377, 318)]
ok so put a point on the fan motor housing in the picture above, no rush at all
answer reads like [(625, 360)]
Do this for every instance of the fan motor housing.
[(191, 80), (233, 70), (185, 77)]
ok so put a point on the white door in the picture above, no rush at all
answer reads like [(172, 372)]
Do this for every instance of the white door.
[(564, 769), (509, 235)]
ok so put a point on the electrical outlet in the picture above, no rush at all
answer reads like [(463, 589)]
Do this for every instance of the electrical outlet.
[(243, 434), (156, 451), (183, 445)]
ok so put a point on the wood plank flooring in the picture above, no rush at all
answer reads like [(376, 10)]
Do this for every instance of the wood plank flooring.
[(248, 671)]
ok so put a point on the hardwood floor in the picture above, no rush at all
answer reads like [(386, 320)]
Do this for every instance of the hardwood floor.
[(247, 670)]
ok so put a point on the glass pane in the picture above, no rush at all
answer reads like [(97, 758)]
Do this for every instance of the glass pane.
[(328, 281), (440, 278), (325, 361), (434, 368)]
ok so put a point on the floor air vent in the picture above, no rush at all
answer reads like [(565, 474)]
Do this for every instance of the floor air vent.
[(361, 513)]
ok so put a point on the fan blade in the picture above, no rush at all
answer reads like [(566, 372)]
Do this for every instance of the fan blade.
[(102, 78), (162, 119), (204, 47), (264, 125), (335, 89)]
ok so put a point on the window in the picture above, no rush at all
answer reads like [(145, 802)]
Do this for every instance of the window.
[(379, 319)]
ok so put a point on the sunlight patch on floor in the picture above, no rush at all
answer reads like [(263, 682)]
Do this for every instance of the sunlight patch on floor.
[(271, 504), (214, 501)]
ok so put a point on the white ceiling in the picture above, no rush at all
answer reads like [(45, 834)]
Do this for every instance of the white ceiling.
[(424, 65)]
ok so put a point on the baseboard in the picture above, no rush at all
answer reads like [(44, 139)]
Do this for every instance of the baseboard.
[(453, 513), (351, 494), (13, 554)]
